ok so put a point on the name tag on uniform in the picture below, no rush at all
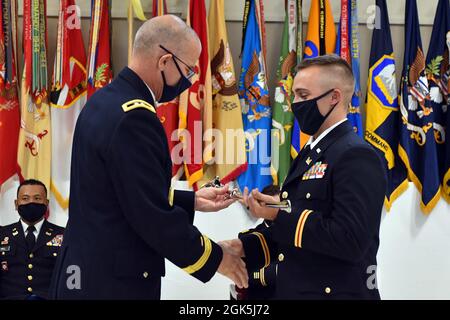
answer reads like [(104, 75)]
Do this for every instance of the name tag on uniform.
[(56, 241), (5, 248), (317, 171)]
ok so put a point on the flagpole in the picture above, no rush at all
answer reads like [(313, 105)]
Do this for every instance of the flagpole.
[(130, 30)]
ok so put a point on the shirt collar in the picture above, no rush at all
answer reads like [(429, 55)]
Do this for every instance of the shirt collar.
[(151, 92), (38, 225), (313, 142)]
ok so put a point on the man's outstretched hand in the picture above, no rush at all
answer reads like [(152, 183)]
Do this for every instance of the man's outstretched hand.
[(233, 268), (212, 199), (234, 246)]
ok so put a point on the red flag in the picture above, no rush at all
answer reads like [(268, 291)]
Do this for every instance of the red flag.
[(99, 57), (196, 104), (9, 94), (159, 7), (67, 96), (168, 112)]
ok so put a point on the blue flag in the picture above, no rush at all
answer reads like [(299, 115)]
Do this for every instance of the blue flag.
[(437, 71), (382, 115), (418, 146), (347, 46), (254, 96)]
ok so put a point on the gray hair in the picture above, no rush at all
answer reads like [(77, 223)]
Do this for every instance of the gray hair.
[(169, 31)]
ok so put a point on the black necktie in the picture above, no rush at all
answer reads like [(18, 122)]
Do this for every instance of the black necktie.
[(30, 238), (305, 151)]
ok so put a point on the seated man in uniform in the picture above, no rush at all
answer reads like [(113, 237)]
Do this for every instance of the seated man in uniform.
[(327, 241), (29, 247)]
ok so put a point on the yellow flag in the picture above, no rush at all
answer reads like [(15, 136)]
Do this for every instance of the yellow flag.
[(138, 11), (195, 111), (35, 145), (229, 154), (136, 6)]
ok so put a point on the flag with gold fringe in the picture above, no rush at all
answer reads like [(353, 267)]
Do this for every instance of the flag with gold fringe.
[(67, 96), (382, 110), (254, 95), (34, 154), (229, 152), (99, 68), (195, 110), (417, 148), (9, 90), (320, 40), (347, 46), (437, 72), (282, 117)]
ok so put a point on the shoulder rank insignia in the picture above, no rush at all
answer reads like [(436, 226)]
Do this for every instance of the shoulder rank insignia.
[(317, 171), (137, 103), (56, 241)]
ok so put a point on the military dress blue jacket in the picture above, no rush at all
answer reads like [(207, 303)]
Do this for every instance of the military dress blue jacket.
[(124, 218)]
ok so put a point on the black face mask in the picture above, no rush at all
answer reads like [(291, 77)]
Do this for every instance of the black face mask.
[(171, 92), (308, 115), (32, 212)]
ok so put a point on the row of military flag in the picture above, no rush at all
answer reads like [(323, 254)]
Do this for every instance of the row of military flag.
[(38, 117), (407, 129)]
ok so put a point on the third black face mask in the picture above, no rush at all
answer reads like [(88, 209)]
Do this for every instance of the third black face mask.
[(32, 212), (308, 115)]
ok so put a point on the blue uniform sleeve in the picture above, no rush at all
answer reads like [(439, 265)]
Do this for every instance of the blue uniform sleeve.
[(259, 247), (186, 200), (358, 186), (137, 162)]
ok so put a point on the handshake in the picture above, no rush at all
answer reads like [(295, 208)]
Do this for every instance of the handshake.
[(213, 198), (216, 197)]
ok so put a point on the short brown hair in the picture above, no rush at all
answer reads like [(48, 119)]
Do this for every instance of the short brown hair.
[(328, 60)]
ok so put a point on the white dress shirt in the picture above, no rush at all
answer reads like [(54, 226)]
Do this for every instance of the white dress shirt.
[(313, 142), (151, 92), (38, 227)]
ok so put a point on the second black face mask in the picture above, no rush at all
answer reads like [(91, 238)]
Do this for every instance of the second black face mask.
[(171, 92), (308, 115)]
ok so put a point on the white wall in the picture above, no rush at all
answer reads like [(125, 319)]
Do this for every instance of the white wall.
[(414, 255)]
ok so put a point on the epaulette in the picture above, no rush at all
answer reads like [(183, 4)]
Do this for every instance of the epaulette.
[(137, 103)]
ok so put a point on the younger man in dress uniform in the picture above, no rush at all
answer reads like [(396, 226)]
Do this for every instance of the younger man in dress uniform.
[(29, 248), (326, 244)]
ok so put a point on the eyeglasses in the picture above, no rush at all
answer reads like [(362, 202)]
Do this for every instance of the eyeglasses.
[(191, 72)]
